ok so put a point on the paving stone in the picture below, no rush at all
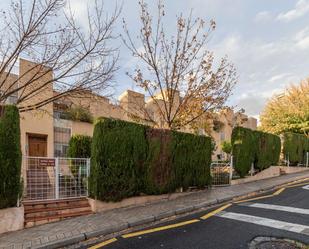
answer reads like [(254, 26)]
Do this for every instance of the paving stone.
[(27, 245), (52, 238), (36, 242), (165, 215), (141, 220), (183, 210), (44, 240), (60, 236), (205, 204)]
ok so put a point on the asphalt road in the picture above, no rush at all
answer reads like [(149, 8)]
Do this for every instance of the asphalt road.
[(285, 215)]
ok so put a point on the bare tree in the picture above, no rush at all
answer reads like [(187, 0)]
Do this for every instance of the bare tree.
[(79, 58), (181, 65)]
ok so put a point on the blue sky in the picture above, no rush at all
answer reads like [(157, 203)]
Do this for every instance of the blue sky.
[(267, 40)]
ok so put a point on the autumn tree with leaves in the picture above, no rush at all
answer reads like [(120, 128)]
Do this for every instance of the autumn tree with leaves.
[(46, 32), (178, 65), (289, 111)]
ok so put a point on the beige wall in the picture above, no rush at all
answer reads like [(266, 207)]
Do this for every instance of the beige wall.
[(38, 121), (82, 128), (97, 105), (230, 120)]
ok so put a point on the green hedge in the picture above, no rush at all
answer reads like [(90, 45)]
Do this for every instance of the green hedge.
[(191, 160), (10, 157), (79, 146), (242, 150), (159, 175), (295, 147), (248, 146), (129, 159), (119, 151)]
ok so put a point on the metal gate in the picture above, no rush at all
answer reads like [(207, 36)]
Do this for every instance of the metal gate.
[(55, 178), (221, 172)]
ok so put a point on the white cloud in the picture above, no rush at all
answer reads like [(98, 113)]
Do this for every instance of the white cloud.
[(278, 77), (301, 8), (302, 38), (262, 16), (265, 67), (79, 10)]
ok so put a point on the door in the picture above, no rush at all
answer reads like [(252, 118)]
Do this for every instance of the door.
[(37, 145), (40, 175)]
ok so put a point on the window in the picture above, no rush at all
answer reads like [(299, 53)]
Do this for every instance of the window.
[(12, 99), (222, 136), (61, 141), (60, 150)]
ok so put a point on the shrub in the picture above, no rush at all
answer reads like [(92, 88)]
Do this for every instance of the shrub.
[(78, 113), (159, 172), (129, 159), (79, 146), (248, 146), (118, 153), (242, 150), (267, 150), (191, 159), (295, 147), (10, 157), (226, 147)]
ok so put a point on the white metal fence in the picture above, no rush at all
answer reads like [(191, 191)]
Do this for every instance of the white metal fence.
[(55, 178), (304, 163), (221, 172)]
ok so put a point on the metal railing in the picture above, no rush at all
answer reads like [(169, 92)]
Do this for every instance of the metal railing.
[(222, 172), (304, 163), (55, 178)]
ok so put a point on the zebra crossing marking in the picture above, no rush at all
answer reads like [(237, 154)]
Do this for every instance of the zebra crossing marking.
[(277, 207), (282, 225)]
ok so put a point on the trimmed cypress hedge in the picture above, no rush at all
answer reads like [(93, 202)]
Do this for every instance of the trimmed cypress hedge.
[(191, 160), (295, 147), (118, 155), (176, 160), (10, 157), (242, 150), (159, 177), (79, 146), (129, 159), (248, 146), (267, 150)]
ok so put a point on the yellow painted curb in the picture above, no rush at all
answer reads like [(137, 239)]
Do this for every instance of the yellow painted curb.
[(279, 191), (297, 185), (215, 212), (107, 242), (261, 197), (157, 229)]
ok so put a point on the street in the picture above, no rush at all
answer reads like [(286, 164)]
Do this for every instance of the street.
[(282, 214)]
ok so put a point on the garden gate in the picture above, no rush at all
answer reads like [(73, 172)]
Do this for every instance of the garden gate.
[(55, 178), (221, 172)]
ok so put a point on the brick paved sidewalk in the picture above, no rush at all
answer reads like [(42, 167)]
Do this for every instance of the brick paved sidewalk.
[(73, 230)]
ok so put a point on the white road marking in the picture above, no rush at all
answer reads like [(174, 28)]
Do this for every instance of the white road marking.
[(282, 225), (279, 208), (306, 187)]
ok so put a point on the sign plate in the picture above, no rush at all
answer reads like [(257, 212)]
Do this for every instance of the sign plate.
[(47, 162)]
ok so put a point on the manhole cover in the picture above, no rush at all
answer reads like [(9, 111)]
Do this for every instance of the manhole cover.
[(275, 243)]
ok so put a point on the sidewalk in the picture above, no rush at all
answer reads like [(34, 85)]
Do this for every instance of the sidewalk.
[(73, 230)]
